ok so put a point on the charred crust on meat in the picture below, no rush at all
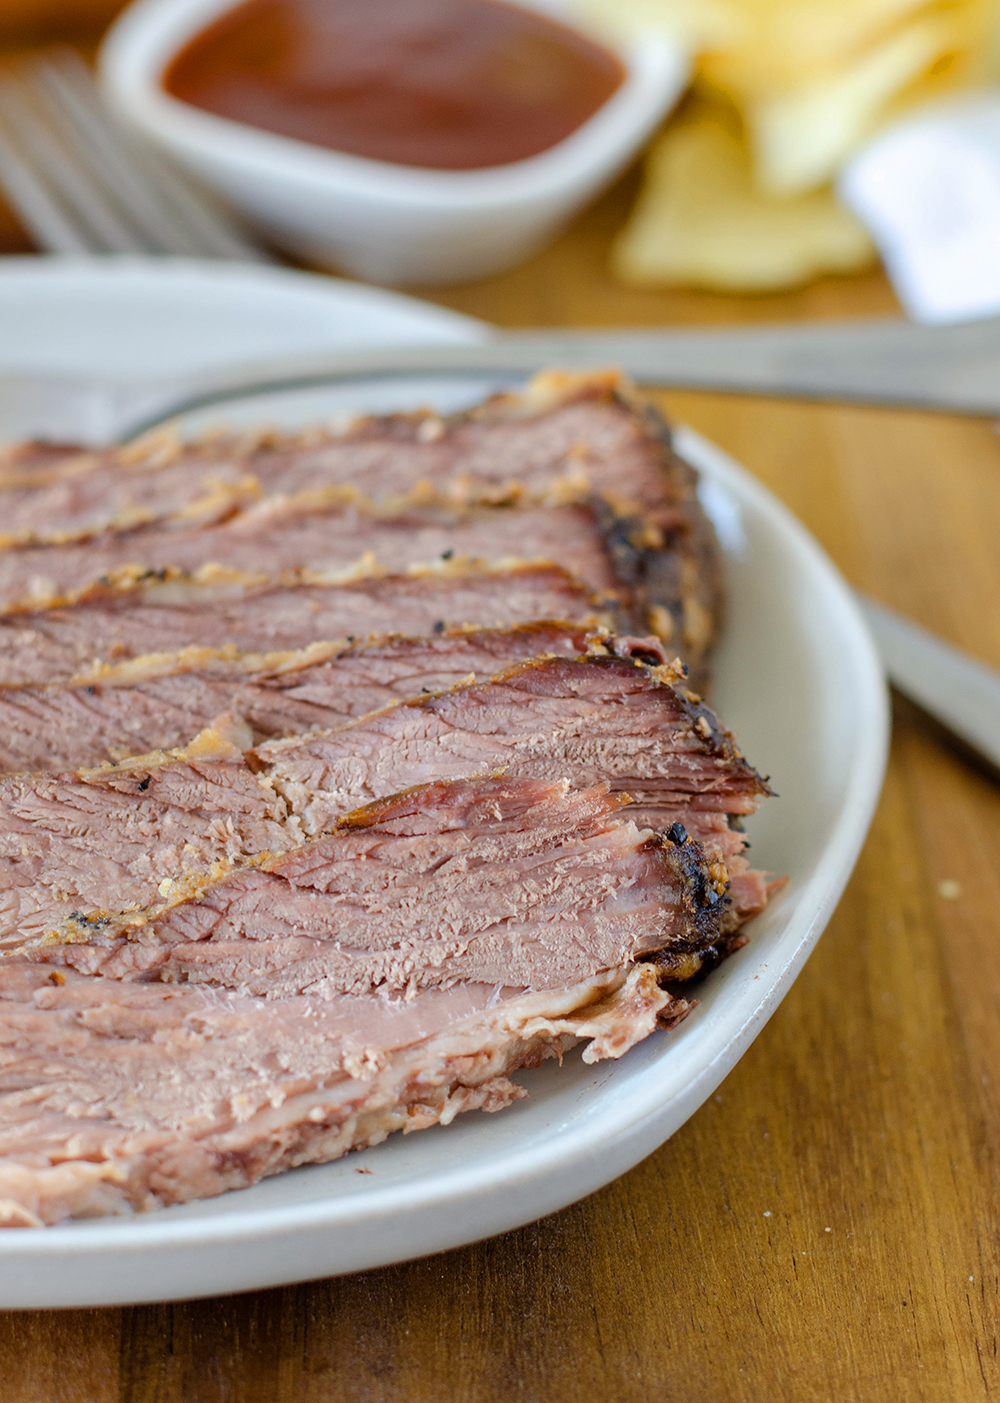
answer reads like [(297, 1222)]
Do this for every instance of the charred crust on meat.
[(89, 920), (694, 542), (677, 833), (681, 966), (650, 561), (145, 783), (704, 888)]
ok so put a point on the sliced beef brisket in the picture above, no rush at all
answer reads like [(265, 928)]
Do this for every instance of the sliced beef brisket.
[(494, 880), (333, 540), (121, 1096), (246, 614), (423, 837), (564, 433), (110, 838), (598, 488), (594, 718), (291, 1010), (161, 701), (614, 557)]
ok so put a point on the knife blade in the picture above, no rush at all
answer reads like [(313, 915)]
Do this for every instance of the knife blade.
[(956, 689), (880, 362)]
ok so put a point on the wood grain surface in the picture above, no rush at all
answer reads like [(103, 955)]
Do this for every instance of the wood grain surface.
[(825, 1228)]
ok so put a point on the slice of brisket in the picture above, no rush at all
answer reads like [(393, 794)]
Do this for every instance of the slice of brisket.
[(160, 702), (296, 1008), (595, 718), (330, 539), (602, 494), (494, 880), (564, 433), (110, 838), (116, 1096), (115, 623)]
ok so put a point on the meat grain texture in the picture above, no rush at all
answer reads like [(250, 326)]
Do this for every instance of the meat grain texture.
[(439, 821), (565, 900), (573, 471), (158, 702), (246, 613), (68, 840)]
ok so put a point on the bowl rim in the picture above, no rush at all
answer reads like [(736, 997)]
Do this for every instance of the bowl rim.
[(148, 33)]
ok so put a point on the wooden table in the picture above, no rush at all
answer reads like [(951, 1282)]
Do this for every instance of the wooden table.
[(825, 1228)]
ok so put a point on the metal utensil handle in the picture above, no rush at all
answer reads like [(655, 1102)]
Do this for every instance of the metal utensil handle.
[(879, 362), (956, 689)]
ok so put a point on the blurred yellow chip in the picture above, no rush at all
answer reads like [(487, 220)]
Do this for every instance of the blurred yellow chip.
[(792, 43), (834, 65), (701, 222), (800, 137), (699, 24), (811, 81)]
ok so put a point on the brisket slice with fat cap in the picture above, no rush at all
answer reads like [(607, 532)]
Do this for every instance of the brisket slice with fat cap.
[(594, 719), (120, 1096), (247, 614), (330, 538), (620, 558), (384, 976), (110, 837), (605, 456), (562, 433), (161, 701), (494, 880)]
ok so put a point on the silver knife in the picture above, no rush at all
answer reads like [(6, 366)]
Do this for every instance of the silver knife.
[(959, 691), (890, 362)]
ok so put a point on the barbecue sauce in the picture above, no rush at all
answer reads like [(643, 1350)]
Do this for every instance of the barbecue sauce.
[(444, 84)]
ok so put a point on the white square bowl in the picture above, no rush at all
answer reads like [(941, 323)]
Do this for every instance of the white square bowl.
[(379, 221)]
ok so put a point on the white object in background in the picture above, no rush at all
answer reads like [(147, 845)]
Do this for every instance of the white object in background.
[(379, 221), (928, 190), (67, 315), (797, 677)]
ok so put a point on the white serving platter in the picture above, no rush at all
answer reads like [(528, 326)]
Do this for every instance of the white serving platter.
[(797, 678)]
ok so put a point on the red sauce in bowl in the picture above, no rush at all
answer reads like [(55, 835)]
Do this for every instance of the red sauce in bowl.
[(445, 84)]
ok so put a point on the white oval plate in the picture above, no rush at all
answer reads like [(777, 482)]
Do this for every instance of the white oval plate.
[(799, 681)]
